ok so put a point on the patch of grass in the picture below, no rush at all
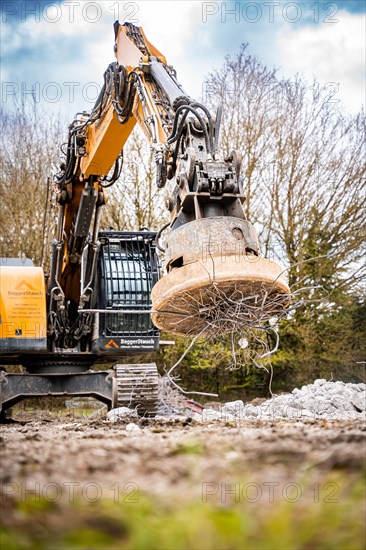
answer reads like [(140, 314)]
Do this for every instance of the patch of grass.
[(34, 504), (191, 523), (189, 448)]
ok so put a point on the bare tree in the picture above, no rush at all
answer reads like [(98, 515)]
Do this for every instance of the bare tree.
[(246, 90), (303, 168), (29, 150)]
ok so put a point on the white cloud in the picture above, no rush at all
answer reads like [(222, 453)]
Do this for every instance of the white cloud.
[(332, 52), (78, 50), (170, 26)]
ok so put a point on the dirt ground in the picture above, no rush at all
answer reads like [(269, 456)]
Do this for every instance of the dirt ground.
[(52, 464)]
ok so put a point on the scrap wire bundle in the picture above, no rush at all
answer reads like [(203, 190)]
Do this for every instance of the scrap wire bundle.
[(219, 310)]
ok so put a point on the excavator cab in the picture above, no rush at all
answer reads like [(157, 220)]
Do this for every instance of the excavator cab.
[(128, 268)]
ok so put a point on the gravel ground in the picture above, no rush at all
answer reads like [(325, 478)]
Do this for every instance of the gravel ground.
[(219, 455), (158, 455)]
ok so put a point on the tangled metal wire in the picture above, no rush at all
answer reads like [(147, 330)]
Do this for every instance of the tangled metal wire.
[(218, 310), (247, 320)]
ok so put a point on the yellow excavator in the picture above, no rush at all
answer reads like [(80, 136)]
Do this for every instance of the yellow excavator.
[(104, 297)]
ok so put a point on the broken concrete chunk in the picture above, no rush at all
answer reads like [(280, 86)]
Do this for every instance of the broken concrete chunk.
[(121, 412), (131, 427), (234, 407)]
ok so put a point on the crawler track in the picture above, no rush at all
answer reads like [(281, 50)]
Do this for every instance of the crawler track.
[(137, 387)]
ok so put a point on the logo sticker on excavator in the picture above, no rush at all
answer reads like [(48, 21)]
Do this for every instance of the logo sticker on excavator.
[(23, 307), (24, 285), (111, 344)]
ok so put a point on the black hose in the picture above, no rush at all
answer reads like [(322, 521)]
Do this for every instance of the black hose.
[(210, 123), (70, 163), (116, 173), (124, 113), (200, 120), (204, 109), (174, 136), (158, 235)]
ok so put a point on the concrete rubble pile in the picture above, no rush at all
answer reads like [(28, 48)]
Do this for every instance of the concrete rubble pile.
[(320, 400)]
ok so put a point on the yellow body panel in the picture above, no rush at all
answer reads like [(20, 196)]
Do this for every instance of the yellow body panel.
[(105, 142), (128, 54), (22, 304)]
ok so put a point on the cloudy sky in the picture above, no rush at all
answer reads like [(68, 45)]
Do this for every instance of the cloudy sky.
[(58, 51)]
